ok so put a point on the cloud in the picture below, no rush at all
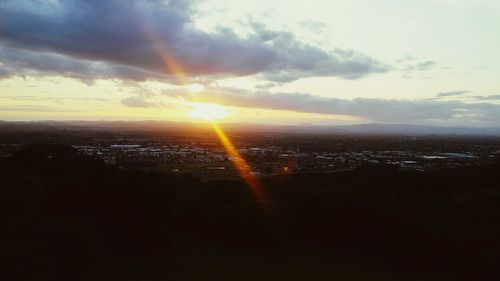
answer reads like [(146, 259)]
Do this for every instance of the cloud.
[(34, 109), (52, 98), (383, 110), (120, 39), (460, 95), (313, 25), (266, 86), (21, 62), (484, 98), (426, 65), (141, 102), (411, 65), (451, 93)]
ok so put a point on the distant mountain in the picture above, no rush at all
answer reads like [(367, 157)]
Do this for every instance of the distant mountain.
[(361, 129), (406, 129), (372, 129)]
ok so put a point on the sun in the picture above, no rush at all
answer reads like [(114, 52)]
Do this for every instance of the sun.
[(208, 111)]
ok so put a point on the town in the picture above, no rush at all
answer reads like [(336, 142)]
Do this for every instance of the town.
[(274, 160), (267, 152)]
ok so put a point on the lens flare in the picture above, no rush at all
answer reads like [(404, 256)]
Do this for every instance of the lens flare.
[(243, 168), (171, 65), (210, 112)]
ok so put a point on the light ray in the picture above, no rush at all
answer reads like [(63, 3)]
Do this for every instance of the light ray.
[(169, 61), (243, 168)]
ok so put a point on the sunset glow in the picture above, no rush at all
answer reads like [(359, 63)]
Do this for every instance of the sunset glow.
[(207, 111), (250, 140), (303, 64)]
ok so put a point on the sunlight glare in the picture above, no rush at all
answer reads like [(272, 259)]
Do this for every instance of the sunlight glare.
[(207, 111)]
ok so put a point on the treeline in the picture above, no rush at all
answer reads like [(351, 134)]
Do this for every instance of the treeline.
[(64, 215)]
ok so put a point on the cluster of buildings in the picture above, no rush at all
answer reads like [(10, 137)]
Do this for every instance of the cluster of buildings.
[(124, 154), (275, 160)]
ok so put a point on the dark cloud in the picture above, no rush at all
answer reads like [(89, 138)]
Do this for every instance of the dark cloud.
[(21, 62), (120, 39), (384, 110), (452, 94)]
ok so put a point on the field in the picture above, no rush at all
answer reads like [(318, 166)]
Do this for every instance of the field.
[(205, 171)]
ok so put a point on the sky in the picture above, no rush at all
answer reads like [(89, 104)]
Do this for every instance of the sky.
[(321, 62)]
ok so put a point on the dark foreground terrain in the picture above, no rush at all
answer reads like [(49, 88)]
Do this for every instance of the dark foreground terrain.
[(70, 217)]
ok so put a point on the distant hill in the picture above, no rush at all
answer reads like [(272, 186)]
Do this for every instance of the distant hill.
[(362, 129), (407, 129)]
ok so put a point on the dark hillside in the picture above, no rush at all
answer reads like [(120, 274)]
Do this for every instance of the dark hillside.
[(67, 216)]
